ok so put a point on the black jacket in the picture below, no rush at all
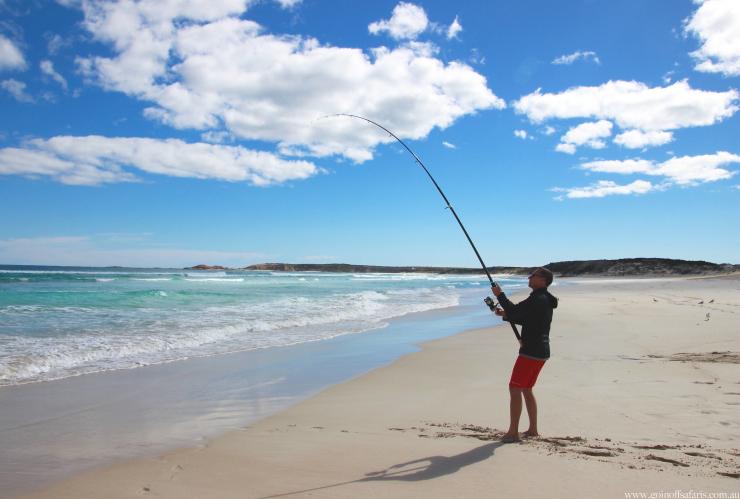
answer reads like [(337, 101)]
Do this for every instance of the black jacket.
[(534, 315)]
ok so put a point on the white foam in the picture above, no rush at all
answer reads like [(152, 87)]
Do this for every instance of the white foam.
[(100, 272), (104, 279), (146, 325), (217, 279), (207, 273), (213, 330)]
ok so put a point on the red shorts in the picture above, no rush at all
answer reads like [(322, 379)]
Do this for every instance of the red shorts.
[(525, 372)]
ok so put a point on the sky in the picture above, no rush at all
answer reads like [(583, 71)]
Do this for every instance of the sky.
[(179, 132)]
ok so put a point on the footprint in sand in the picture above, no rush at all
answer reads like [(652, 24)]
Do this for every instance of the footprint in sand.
[(693, 460), (597, 453), (703, 454), (653, 457), (731, 475), (655, 447), (175, 470)]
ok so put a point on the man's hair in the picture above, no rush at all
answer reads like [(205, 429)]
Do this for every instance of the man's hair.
[(546, 273)]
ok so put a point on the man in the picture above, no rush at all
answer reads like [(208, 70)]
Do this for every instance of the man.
[(534, 315)]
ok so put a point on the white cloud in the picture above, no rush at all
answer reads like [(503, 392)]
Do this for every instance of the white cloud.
[(677, 171), (579, 54), (690, 170), (17, 89), (423, 49), (604, 188), (566, 148), (636, 139), (69, 3), (627, 166), (11, 56), (215, 137), (95, 160), (588, 134), (48, 69), (522, 134), (684, 170), (716, 23), (288, 4), (407, 22), (449, 145), (633, 105), (454, 29), (97, 250), (548, 130), (222, 71), (55, 43), (476, 57)]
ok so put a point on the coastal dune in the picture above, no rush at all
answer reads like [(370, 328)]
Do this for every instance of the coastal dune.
[(641, 395)]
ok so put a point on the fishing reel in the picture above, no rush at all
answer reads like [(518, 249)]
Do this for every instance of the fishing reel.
[(491, 304)]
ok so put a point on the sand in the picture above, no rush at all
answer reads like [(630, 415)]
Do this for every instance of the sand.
[(641, 395)]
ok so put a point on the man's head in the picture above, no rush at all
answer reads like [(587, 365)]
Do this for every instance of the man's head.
[(540, 278)]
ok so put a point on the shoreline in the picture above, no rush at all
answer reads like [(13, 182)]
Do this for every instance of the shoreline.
[(167, 406), (427, 423)]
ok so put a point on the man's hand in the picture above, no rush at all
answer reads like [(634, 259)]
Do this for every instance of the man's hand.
[(496, 290), (501, 312)]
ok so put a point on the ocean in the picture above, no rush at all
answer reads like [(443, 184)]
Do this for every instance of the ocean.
[(59, 322)]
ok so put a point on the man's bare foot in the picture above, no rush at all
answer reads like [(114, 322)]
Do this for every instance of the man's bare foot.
[(530, 434), (510, 438)]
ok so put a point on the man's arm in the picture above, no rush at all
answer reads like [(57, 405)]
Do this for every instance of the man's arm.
[(514, 312)]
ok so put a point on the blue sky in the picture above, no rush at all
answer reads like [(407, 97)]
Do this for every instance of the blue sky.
[(171, 133)]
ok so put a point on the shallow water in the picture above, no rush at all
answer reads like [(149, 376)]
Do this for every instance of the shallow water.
[(57, 322)]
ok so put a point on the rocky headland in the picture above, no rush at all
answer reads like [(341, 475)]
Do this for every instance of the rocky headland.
[(207, 267), (616, 268)]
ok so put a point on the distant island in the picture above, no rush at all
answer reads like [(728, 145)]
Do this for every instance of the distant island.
[(208, 267), (615, 268)]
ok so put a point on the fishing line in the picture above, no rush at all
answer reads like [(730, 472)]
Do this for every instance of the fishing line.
[(489, 302)]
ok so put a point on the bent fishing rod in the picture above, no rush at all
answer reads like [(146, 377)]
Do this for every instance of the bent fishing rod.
[(488, 301)]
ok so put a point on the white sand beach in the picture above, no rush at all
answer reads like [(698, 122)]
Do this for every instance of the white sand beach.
[(641, 395)]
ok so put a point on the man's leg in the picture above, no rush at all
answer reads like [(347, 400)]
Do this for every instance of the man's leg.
[(531, 403), (515, 412)]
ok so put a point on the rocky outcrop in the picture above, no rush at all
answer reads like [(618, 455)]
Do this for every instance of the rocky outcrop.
[(640, 267), (361, 269), (206, 267), (621, 267)]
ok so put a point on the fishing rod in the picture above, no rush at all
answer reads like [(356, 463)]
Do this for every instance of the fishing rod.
[(488, 300)]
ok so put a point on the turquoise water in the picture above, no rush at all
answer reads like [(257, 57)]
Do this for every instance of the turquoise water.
[(57, 322)]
